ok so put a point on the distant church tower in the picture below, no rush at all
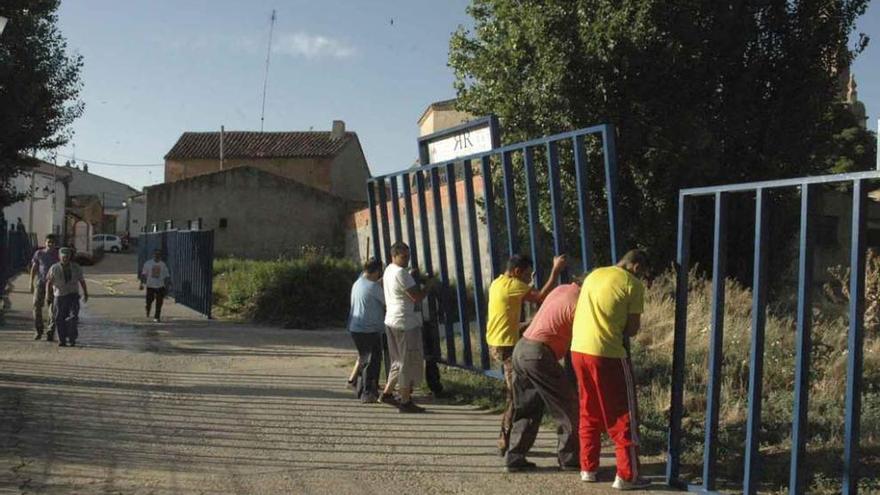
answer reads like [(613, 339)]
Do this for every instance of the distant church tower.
[(855, 106)]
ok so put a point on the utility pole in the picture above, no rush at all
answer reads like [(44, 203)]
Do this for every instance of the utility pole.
[(102, 214), (266, 77)]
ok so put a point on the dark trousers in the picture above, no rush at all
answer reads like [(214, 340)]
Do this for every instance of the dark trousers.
[(159, 296), (540, 382), (431, 347), (369, 347), (66, 310)]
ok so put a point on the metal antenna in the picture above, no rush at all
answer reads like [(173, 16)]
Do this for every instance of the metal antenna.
[(266, 78)]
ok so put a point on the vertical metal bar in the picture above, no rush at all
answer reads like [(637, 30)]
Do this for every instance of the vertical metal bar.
[(489, 198), (556, 203), (609, 149), (441, 262), (683, 254), (716, 340), (383, 213), (756, 361), (510, 203), (855, 340), (395, 211), (410, 222), (374, 220), (532, 201), (479, 296), (580, 170), (803, 341), (423, 222), (460, 283)]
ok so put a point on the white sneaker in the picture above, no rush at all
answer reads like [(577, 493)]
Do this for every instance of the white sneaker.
[(589, 476), (636, 484)]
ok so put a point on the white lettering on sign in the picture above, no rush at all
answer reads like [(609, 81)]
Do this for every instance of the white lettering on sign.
[(462, 144)]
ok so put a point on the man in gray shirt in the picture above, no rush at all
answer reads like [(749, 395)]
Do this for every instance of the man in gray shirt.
[(65, 278)]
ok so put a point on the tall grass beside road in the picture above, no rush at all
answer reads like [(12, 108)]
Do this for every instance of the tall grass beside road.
[(307, 292)]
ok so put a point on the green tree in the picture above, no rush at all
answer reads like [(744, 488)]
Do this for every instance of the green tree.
[(39, 86), (701, 91)]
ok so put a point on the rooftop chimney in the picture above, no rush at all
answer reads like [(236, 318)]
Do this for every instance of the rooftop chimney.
[(338, 131)]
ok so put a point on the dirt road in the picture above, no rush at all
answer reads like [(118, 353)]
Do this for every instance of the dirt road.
[(191, 406)]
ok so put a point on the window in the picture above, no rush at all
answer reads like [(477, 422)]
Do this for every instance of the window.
[(223, 223), (873, 237)]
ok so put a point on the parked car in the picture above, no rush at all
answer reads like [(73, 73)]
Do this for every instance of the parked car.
[(107, 242)]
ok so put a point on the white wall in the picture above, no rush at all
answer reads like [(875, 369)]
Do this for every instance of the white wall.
[(48, 215)]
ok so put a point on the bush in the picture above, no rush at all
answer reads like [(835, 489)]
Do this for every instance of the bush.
[(308, 292)]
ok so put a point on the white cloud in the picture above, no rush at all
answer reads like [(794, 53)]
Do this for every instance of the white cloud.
[(311, 46)]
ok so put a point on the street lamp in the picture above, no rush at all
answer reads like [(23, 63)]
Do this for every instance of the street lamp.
[(3, 22)]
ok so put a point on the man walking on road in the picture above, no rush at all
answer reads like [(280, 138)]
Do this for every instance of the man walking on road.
[(403, 327), (366, 322), (506, 296), (608, 311), (65, 279), (156, 276), (539, 381), (41, 262)]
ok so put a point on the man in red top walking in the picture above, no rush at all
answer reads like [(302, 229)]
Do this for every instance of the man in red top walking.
[(540, 381)]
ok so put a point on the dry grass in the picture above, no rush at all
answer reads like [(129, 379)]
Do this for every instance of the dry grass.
[(652, 354)]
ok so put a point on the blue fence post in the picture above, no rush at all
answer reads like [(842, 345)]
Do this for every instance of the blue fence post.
[(756, 360), (383, 213), (423, 222), (609, 150), (803, 340), (473, 233), (556, 204), (374, 220), (410, 222), (716, 340), (441, 262), (489, 198), (679, 340), (510, 203), (855, 340), (582, 178), (532, 203), (395, 207), (460, 283)]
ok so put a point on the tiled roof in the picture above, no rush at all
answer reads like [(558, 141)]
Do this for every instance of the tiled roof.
[(245, 144)]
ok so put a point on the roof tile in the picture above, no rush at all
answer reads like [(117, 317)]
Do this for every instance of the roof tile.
[(246, 144)]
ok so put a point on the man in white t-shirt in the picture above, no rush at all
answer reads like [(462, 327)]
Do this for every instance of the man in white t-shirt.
[(403, 327), (156, 276)]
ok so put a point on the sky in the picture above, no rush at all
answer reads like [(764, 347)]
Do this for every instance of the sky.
[(156, 68)]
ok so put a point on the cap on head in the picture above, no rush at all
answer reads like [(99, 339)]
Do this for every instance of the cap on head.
[(65, 251)]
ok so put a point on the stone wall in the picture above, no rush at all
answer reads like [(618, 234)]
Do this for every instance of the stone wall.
[(254, 214)]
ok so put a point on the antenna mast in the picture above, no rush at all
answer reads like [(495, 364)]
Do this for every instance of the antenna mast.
[(266, 77)]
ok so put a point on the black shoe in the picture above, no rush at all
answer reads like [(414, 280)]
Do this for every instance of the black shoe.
[(72, 343), (410, 408), (62, 344), (520, 466), (369, 398), (38, 336), (50, 337), (570, 467)]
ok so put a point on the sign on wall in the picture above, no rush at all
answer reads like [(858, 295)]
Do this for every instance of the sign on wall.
[(475, 136)]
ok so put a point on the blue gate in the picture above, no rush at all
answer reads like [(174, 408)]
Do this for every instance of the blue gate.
[(808, 199), (190, 258), (16, 249), (515, 160)]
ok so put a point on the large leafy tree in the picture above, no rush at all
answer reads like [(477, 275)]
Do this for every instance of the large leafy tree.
[(39, 86), (701, 91)]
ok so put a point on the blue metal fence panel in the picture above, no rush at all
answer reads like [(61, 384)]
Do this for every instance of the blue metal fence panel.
[(190, 259), (809, 193), (434, 256), (410, 222)]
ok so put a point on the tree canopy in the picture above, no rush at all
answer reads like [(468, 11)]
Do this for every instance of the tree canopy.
[(701, 91), (39, 86)]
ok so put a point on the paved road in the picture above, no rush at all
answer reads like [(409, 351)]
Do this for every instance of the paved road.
[(191, 406)]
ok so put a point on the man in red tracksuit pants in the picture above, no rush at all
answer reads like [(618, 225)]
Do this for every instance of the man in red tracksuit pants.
[(609, 308)]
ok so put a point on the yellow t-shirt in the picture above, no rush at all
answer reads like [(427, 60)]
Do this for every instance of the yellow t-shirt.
[(505, 306), (608, 296)]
